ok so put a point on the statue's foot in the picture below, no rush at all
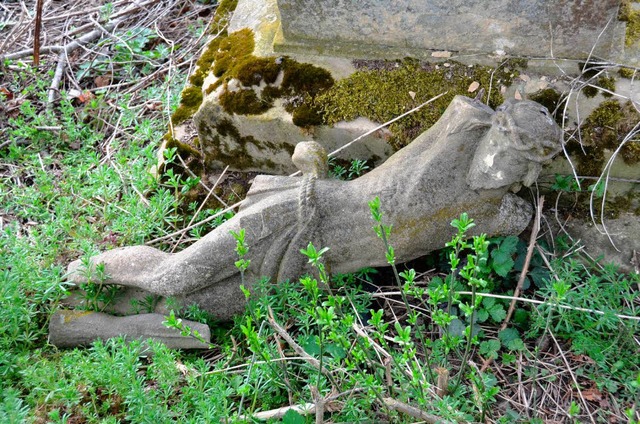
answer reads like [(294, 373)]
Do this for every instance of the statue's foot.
[(81, 328)]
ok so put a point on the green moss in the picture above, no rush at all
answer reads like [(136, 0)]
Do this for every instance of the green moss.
[(305, 78), (252, 72), (633, 28), (232, 52), (243, 102), (307, 115), (384, 92), (626, 72), (190, 101), (223, 13), (552, 100), (589, 91), (183, 149), (605, 129), (608, 83), (624, 11)]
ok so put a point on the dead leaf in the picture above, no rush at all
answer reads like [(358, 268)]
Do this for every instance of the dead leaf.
[(412, 94), (7, 94), (85, 96), (442, 54), (592, 394), (473, 87), (102, 80), (153, 105)]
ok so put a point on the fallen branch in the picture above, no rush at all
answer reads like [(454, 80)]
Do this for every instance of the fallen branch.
[(295, 346), (412, 411)]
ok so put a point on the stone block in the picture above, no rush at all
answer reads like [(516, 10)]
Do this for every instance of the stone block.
[(566, 28)]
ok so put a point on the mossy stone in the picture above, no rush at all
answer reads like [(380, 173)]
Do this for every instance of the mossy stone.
[(243, 102), (190, 101), (382, 91), (605, 129), (552, 100), (626, 72), (633, 28)]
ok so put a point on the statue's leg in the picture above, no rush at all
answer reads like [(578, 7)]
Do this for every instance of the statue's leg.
[(203, 264)]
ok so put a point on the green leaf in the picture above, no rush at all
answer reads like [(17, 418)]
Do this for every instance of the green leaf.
[(490, 348), (292, 417), (482, 315), (510, 339), (488, 302), (502, 262), (497, 312)]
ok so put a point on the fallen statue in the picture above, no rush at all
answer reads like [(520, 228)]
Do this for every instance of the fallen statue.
[(469, 161)]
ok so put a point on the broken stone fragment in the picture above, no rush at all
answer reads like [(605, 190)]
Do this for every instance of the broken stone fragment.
[(81, 328)]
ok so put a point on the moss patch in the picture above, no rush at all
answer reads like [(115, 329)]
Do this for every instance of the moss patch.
[(191, 97), (605, 82), (552, 100), (632, 18), (626, 72), (605, 129), (382, 90), (190, 101), (243, 102)]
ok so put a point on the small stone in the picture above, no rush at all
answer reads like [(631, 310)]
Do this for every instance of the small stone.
[(517, 95), (525, 77), (446, 64), (412, 94), (473, 86), (441, 54)]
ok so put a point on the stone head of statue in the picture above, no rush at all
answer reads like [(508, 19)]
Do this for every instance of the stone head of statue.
[(522, 136)]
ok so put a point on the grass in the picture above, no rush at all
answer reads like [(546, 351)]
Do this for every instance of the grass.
[(389, 345)]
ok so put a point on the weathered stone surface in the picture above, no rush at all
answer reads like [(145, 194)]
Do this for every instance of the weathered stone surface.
[(408, 27), (263, 143), (81, 328), (422, 188), (618, 241)]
